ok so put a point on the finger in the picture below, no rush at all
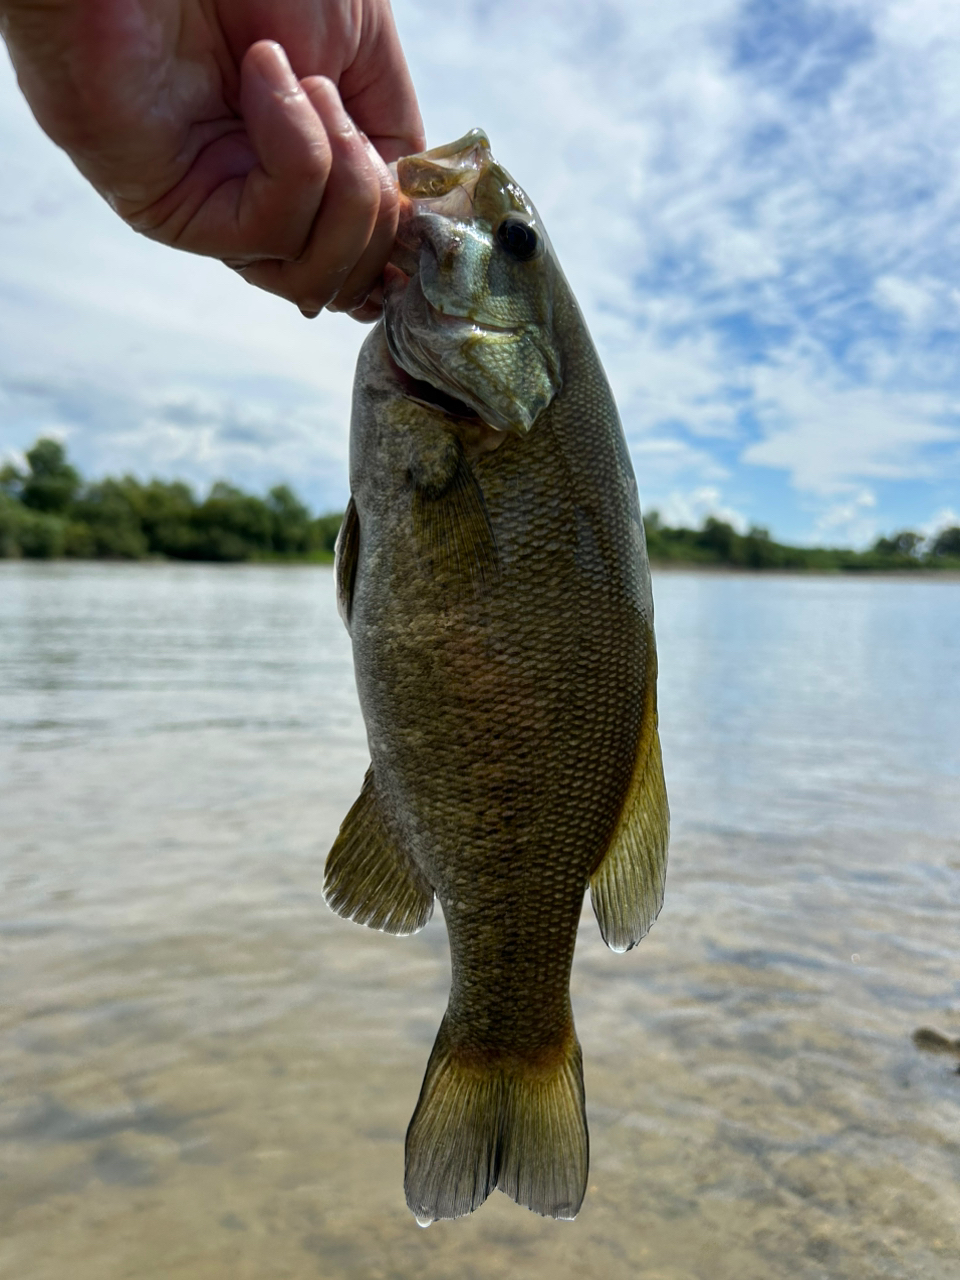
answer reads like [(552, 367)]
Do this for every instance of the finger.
[(348, 216), (371, 308), (378, 92), (365, 277), (281, 196)]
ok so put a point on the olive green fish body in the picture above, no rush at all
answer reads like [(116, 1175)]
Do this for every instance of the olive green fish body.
[(497, 592)]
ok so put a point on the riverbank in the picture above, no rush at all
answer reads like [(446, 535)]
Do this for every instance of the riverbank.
[(325, 559), (49, 512)]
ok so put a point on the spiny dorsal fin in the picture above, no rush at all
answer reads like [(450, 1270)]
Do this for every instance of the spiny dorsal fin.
[(345, 560), (369, 878), (454, 535), (627, 887)]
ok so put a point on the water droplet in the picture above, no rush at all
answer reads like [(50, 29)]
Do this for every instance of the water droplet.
[(423, 1221)]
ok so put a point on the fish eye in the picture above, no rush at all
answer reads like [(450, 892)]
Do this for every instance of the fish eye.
[(516, 237)]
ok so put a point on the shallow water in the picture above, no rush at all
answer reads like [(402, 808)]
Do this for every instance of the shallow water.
[(204, 1074)]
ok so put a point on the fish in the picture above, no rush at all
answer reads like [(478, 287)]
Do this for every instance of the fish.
[(491, 569)]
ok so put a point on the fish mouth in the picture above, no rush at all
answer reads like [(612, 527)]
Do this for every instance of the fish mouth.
[(462, 325), (441, 182), (438, 191), (453, 319), (446, 178)]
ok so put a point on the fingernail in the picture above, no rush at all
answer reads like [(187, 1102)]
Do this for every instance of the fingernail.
[(277, 72)]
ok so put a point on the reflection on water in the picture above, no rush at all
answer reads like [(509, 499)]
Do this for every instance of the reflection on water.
[(204, 1074)]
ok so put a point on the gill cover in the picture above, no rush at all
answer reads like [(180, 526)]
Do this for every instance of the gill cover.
[(470, 308)]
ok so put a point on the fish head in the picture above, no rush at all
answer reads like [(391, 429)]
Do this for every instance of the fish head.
[(469, 292)]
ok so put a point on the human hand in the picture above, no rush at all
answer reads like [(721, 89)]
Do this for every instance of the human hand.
[(188, 117)]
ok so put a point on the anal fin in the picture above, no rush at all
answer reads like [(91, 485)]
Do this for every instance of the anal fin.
[(369, 878), (627, 887)]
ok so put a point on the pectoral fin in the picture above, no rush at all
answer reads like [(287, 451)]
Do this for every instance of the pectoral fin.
[(627, 887), (369, 878), (453, 530), (345, 560)]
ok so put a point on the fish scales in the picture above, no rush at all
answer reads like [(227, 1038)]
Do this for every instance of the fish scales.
[(494, 578)]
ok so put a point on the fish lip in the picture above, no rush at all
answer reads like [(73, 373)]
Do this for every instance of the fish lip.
[(444, 177), (453, 320)]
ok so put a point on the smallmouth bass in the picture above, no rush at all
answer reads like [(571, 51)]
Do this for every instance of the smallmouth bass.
[(492, 572)]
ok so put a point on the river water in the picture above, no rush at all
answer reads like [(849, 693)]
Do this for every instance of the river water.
[(206, 1075)]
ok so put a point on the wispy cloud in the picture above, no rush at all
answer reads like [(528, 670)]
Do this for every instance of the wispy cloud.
[(756, 203)]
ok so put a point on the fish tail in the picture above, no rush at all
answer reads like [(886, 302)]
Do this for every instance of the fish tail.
[(506, 1122)]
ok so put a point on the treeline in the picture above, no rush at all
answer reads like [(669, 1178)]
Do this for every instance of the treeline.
[(47, 510), (718, 543)]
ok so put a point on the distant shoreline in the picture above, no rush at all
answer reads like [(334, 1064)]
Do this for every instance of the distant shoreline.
[(49, 512), (739, 571), (657, 567)]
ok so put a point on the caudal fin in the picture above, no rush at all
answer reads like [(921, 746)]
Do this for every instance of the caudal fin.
[(516, 1126)]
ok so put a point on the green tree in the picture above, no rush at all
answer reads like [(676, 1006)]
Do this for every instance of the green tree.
[(759, 551), (232, 525), (947, 543), (289, 519), (51, 484), (719, 537), (29, 533), (904, 543), (108, 513), (167, 511), (11, 480)]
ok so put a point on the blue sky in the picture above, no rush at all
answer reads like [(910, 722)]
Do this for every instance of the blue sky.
[(757, 206)]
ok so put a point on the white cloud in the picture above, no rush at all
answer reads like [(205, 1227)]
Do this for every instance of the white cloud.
[(850, 521), (689, 510), (825, 432), (913, 301), (945, 518)]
